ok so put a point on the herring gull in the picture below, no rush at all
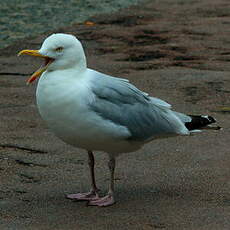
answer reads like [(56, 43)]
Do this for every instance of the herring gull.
[(98, 112)]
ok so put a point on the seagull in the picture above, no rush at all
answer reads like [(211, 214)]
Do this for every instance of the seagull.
[(97, 112)]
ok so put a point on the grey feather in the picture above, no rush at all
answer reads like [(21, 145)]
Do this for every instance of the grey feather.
[(122, 103), (183, 117)]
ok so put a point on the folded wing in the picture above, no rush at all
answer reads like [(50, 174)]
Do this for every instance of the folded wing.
[(122, 103)]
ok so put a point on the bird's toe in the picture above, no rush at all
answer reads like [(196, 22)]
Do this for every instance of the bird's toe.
[(88, 196), (103, 201)]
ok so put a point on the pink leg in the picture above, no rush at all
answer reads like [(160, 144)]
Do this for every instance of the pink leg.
[(93, 193), (109, 198), (103, 201)]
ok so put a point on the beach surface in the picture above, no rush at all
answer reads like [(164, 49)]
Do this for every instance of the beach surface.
[(176, 50)]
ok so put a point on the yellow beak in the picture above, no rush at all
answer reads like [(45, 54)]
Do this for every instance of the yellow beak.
[(42, 69)]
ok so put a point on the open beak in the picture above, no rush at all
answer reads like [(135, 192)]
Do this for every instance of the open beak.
[(43, 67)]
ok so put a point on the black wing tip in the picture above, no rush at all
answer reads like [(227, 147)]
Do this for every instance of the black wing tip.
[(201, 122), (212, 127), (210, 118)]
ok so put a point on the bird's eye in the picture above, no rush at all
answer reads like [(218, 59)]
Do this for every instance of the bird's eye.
[(59, 49)]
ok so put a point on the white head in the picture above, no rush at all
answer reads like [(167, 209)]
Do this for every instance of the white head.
[(65, 49), (60, 51)]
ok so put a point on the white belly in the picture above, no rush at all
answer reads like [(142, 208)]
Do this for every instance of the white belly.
[(68, 116)]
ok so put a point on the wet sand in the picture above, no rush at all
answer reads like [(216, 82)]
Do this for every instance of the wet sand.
[(175, 50)]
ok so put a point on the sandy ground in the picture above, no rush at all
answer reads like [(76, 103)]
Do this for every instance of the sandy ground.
[(176, 50)]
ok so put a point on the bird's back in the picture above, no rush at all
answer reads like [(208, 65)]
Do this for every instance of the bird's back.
[(122, 103)]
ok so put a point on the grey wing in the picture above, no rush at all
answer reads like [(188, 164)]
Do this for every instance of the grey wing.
[(122, 103)]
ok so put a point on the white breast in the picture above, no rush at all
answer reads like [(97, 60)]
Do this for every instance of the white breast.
[(63, 104)]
